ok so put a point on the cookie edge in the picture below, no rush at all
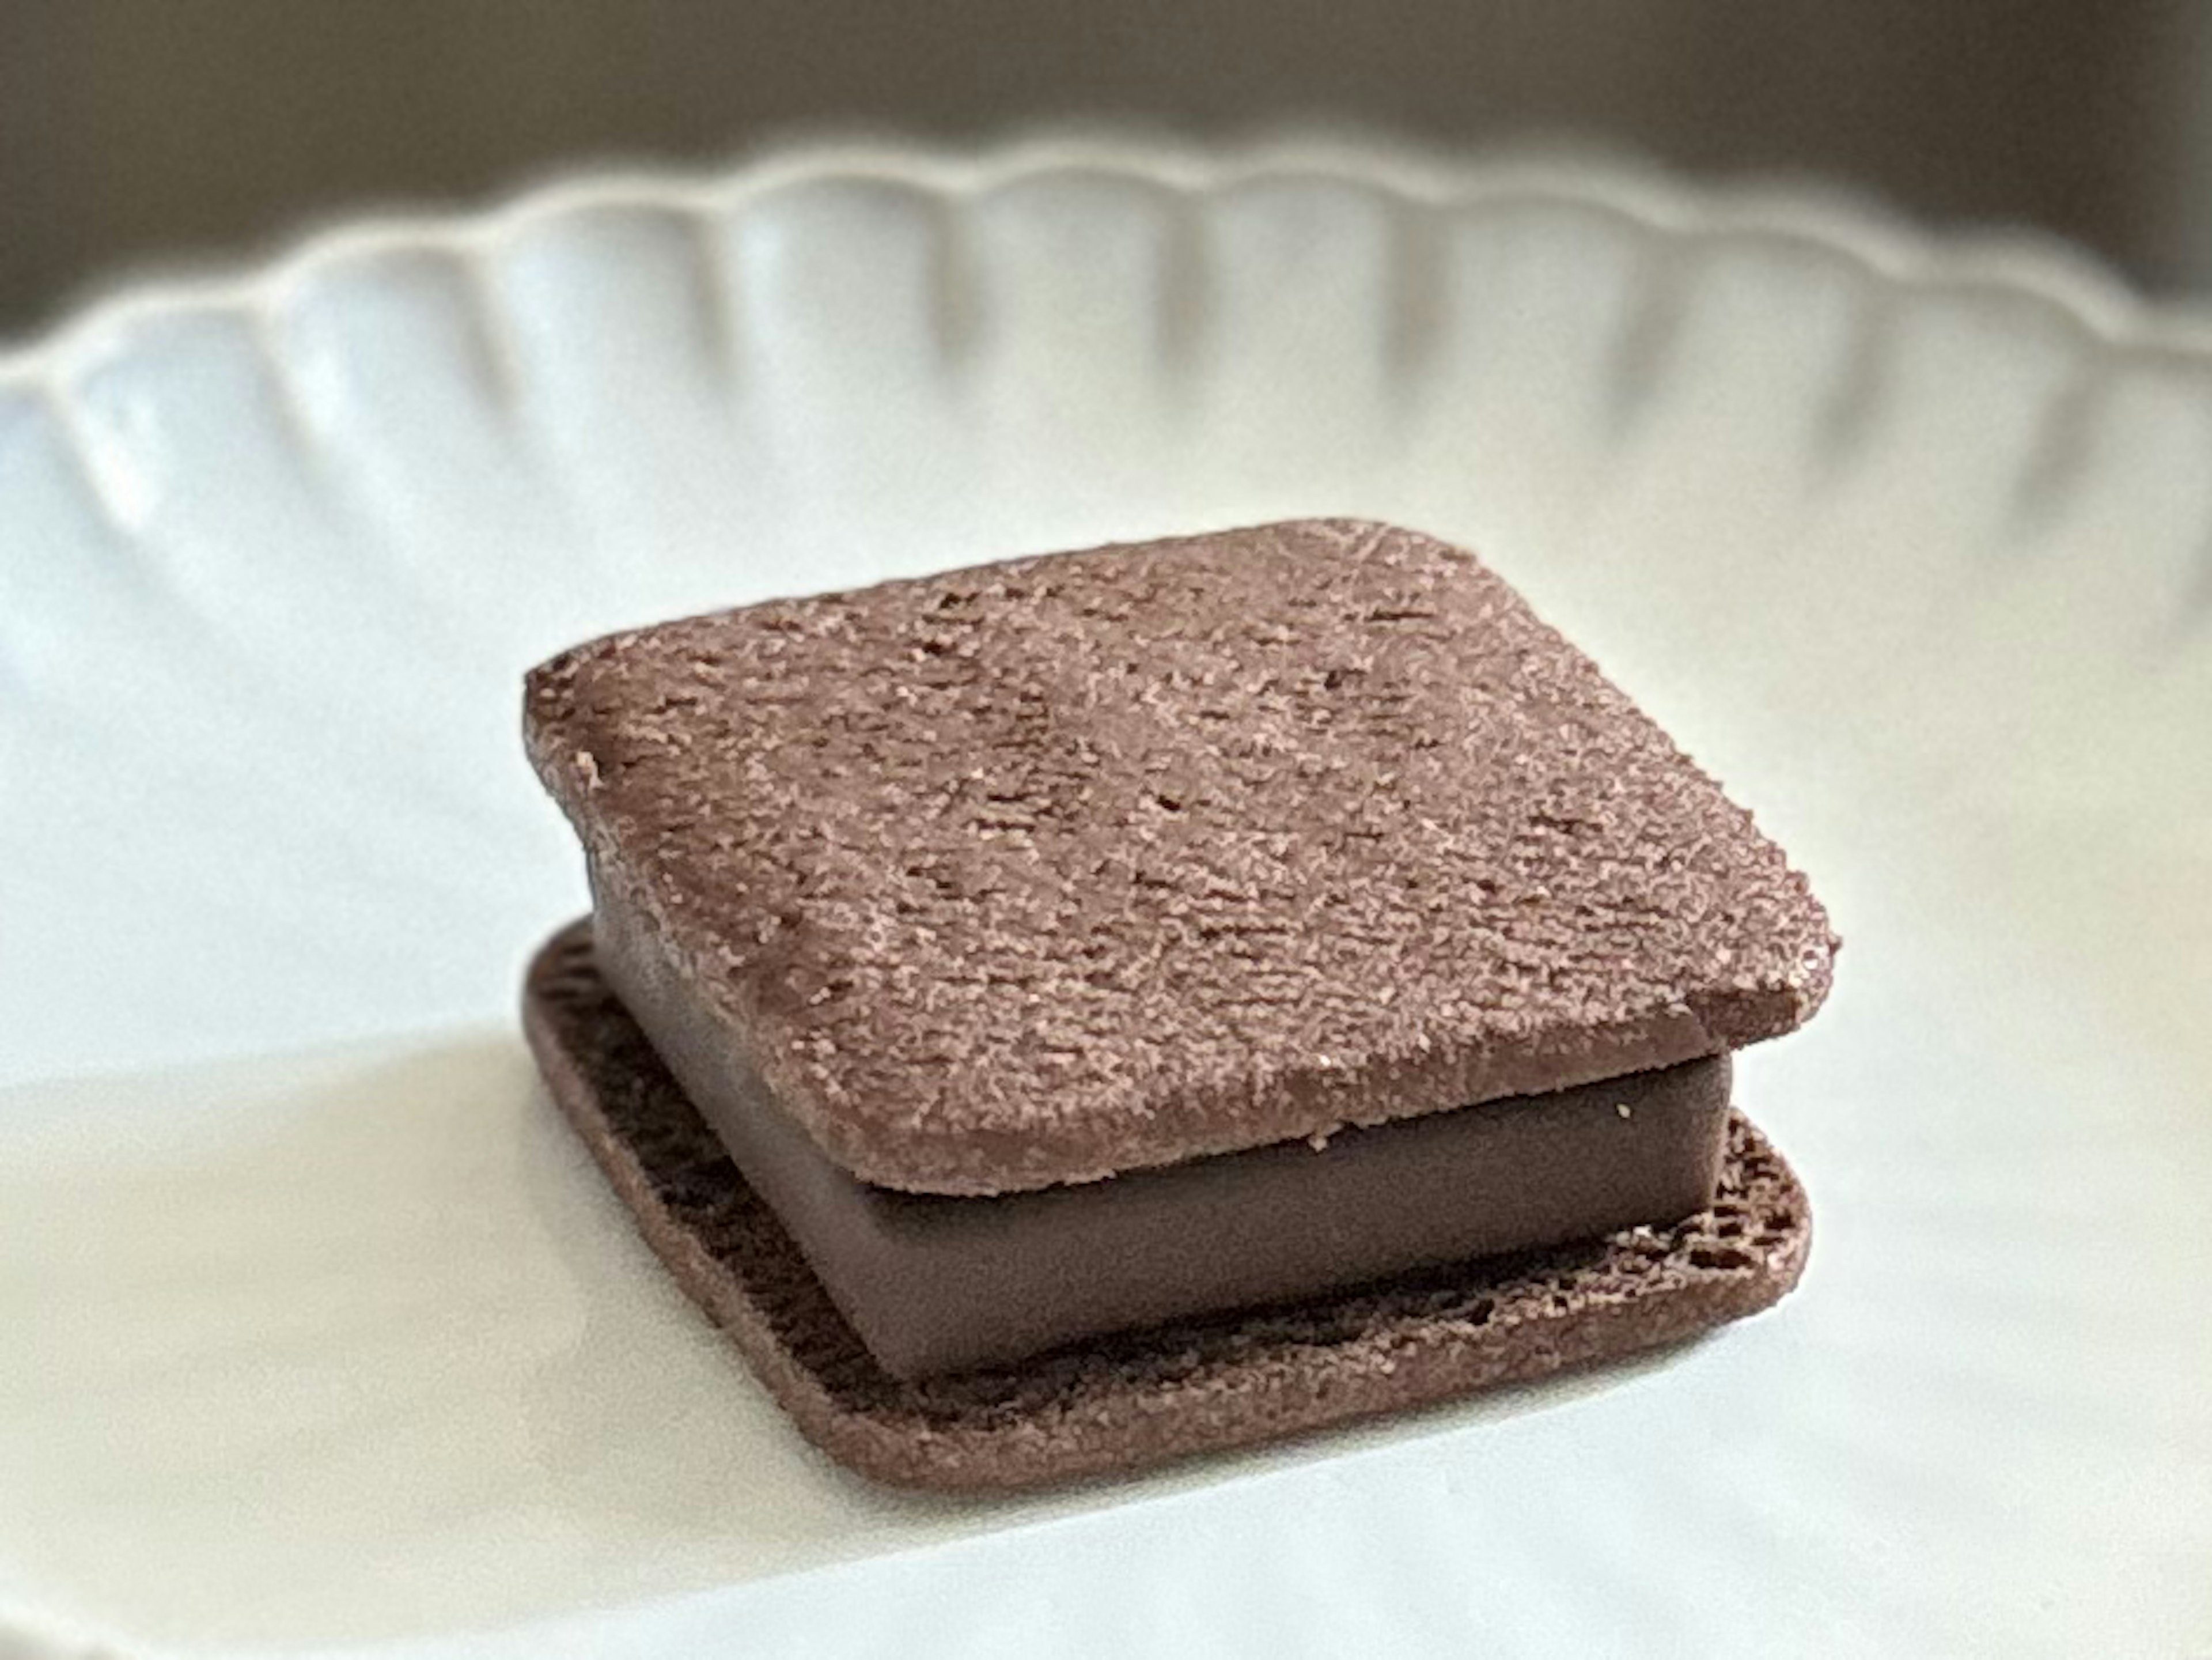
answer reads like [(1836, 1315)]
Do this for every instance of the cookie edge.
[(1283, 1389)]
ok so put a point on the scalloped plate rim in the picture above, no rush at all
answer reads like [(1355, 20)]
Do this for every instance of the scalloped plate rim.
[(2090, 294)]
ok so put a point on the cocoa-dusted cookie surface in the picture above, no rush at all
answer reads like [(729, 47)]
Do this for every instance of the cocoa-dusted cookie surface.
[(1141, 1399), (1041, 871)]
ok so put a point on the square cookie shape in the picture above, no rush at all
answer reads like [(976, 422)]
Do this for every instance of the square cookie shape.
[(1041, 871)]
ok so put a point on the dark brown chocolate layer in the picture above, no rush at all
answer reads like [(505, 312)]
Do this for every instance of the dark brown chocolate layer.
[(1118, 1405), (1050, 870), (936, 1284)]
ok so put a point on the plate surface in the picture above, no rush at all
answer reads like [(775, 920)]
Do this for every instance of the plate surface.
[(323, 1334)]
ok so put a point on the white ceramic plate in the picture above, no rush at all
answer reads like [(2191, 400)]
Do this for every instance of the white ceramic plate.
[(320, 1332)]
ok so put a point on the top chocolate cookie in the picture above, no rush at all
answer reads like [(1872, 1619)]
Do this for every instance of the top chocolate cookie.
[(1041, 871)]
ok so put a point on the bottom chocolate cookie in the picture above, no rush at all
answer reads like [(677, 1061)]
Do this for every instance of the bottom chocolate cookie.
[(1122, 1403)]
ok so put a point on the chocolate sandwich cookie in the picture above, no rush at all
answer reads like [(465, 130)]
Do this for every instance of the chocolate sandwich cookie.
[(1074, 946)]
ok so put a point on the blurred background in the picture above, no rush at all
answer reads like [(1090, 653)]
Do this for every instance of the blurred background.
[(146, 134)]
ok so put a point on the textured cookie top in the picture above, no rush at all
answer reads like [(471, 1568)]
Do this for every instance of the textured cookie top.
[(1045, 870)]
